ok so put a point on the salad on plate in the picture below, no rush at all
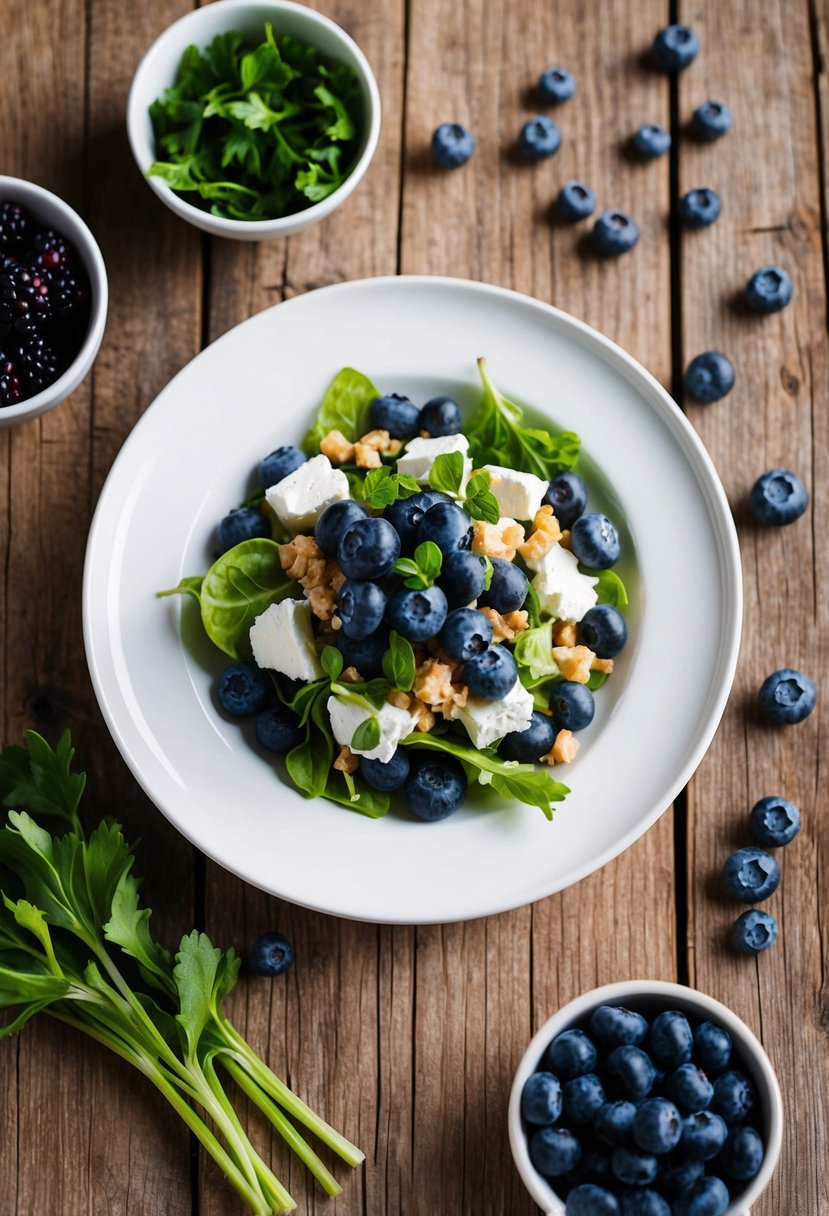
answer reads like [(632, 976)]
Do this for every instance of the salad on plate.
[(415, 602)]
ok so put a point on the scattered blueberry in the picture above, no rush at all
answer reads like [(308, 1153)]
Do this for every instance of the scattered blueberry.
[(751, 874), (651, 141), (703, 1135), (279, 464), (465, 632), (418, 615), (712, 1047), (567, 495), (644, 1203), (396, 414), (360, 608), (540, 138), (679, 1176), (491, 675), (571, 1054), (778, 497), (366, 654), (632, 1071), (671, 1039), (556, 85), (591, 1200), (711, 120), (244, 523), (528, 746), (448, 525), (699, 208), (614, 1122), (507, 589), (571, 705), (734, 1097), (595, 542), (575, 201), (452, 145), (462, 577), (774, 822), (333, 522), (583, 1097), (435, 789), (787, 696), (386, 776), (603, 629), (632, 1167), (614, 1025), (743, 1154), (614, 233), (541, 1099), (277, 729), (675, 47), (270, 954), (440, 416), (406, 514), (657, 1127), (242, 689), (689, 1087), (708, 1197), (368, 549), (709, 376), (769, 289), (554, 1151)]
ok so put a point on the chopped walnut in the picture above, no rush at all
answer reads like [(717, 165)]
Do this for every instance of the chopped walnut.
[(574, 662), (337, 448), (424, 719), (565, 539), (603, 665), (399, 699), (433, 682), (350, 675), (346, 762), (506, 628), (497, 540), (366, 457), (380, 441), (563, 750), (564, 633), (546, 533), (302, 556)]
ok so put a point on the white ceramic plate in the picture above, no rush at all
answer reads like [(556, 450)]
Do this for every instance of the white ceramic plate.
[(189, 460)]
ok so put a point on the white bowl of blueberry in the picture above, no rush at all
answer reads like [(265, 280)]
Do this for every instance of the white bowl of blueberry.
[(645, 1098), (53, 300)]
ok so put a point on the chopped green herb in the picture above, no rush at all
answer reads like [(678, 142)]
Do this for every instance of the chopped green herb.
[(420, 571), (497, 435)]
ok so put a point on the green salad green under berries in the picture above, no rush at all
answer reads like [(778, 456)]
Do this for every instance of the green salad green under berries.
[(416, 601)]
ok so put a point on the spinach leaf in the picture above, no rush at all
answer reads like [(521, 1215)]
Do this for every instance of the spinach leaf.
[(420, 571), (355, 793), (446, 474), (309, 763), (610, 589), (345, 407), (399, 662)]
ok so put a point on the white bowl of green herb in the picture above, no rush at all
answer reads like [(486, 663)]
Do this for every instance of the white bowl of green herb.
[(253, 120)]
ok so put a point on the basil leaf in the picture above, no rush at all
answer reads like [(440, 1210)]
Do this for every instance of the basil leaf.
[(332, 662), (480, 502), (430, 559), (533, 607), (610, 589), (366, 736), (382, 487), (447, 473), (309, 763), (399, 662), (345, 407), (410, 572)]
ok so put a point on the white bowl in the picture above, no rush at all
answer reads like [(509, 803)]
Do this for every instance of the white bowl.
[(643, 995), (157, 71), (50, 210)]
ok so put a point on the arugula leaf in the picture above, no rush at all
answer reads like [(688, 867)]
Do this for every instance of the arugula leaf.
[(382, 487), (446, 473), (480, 502), (366, 736), (610, 589), (345, 407), (399, 662), (420, 571)]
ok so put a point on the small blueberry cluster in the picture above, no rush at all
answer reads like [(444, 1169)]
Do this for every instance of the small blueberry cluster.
[(752, 874), (627, 1117)]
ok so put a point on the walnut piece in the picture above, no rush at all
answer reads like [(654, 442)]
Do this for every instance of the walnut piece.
[(546, 533), (506, 628), (603, 665), (433, 682), (574, 662), (366, 457), (497, 540), (337, 448), (320, 577), (564, 633), (563, 750), (346, 762)]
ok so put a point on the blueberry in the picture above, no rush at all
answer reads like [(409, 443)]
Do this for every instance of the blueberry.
[(657, 1127), (277, 729), (360, 608), (709, 376), (540, 138), (644, 1203), (711, 120), (368, 549), (671, 1040), (614, 1122), (541, 1099), (769, 289), (507, 589), (594, 1166), (571, 705), (787, 696), (528, 746), (452, 145), (242, 690), (778, 497), (774, 822), (440, 416), (270, 954), (632, 1167), (567, 495), (708, 1197), (674, 48), (554, 1151), (465, 633), (591, 1200), (386, 776), (418, 615), (613, 1025), (556, 85), (279, 465), (571, 1054), (734, 1097), (244, 523), (632, 1072), (435, 788), (751, 875), (703, 1135), (712, 1047), (651, 141), (603, 629), (583, 1097), (448, 525), (492, 674), (462, 577), (333, 522), (395, 413), (614, 233), (678, 1174), (366, 654), (700, 208), (689, 1087), (595, 542), (405, 515), (743, 1154)]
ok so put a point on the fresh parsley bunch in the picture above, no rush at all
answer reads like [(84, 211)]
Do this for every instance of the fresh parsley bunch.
[(257, 133)]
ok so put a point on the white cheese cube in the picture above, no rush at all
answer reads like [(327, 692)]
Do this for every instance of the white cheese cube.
[(420, 454), (346, 716), (282, 640), (563, 591), (300, 498), (519, 495), (486, 721)]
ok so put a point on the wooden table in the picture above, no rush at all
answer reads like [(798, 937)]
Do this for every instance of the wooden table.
[(407, 1038)]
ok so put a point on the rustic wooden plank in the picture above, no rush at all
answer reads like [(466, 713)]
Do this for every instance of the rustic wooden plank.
[(768, 175)]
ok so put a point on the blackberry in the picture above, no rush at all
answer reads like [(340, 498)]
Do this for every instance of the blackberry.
[(10, 391), (38, 363), (14, 224), (68, 292), (24, 301), (50, 249)]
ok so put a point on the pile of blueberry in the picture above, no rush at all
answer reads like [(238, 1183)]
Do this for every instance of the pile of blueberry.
[(44, 304), (627, 1117)]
